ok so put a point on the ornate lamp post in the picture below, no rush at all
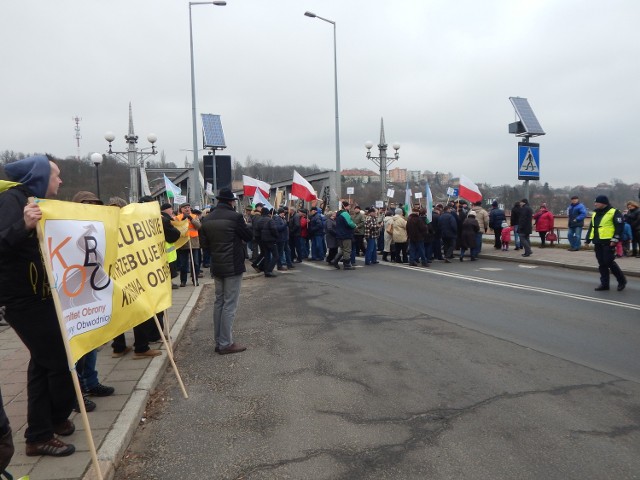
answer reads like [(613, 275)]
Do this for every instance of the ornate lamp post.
[(96, 159), (133, 156), (382, 160)]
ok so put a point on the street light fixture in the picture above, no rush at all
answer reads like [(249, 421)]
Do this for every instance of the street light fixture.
[(382, 160), (195, 190), (338, 186), (96, 159), (133, 156)]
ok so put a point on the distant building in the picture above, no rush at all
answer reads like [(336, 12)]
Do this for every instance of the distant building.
[(398, 175), (414, 175), (360, 175)]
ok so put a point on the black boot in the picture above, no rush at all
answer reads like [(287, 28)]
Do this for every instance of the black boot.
[(336, 261), (347, 265)]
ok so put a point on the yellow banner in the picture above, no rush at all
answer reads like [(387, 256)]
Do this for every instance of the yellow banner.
[(108, 267)]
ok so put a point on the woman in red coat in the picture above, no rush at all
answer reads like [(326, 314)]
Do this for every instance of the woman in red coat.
[(544, 223)]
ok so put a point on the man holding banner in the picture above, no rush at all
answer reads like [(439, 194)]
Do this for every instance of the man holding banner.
[(30, 310)]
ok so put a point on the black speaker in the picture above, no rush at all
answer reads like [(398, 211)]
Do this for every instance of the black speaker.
[(223, 171)]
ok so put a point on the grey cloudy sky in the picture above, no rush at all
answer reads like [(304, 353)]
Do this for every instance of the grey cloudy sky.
[(439, 71)]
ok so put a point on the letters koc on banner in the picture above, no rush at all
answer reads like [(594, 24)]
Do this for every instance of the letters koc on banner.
[(109, 268)]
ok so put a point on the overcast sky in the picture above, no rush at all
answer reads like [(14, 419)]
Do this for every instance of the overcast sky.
[(440, 72)]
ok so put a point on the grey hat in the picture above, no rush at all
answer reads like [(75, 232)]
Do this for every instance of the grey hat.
[(398, 211)]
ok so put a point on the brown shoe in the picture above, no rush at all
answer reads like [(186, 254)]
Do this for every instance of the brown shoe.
[(65, 428), (148, 354), (122, 353), (233, 348), (54, 448)]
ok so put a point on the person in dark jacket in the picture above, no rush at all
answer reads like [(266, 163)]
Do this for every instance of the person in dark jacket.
[(29, 309), (576, 213), (524, 226), (344, 237), (295, 232), (265, 228), (448, 226), (315, 232), (330, 235), (515, 218), (223, 231), (284, 258), (496, 217), (416, 234), (605, 231), (633, 219), (468, 238)]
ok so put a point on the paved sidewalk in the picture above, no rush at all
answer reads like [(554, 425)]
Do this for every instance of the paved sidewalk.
[(115, 420)]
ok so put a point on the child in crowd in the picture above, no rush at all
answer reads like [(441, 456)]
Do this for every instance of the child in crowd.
[(622, 247), (505, 236)]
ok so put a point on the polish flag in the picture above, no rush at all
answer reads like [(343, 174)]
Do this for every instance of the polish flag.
[(301, 188), (251, 185), (469, 190)]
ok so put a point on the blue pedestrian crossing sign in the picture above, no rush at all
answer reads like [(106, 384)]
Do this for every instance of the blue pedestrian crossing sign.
[(528, 161)]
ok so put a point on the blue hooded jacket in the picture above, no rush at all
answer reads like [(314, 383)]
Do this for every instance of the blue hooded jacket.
[(32, 172)]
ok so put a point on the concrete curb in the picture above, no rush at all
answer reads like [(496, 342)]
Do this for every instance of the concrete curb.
[(117, 440)]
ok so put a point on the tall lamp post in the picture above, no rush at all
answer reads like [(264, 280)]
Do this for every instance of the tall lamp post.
[(195, 190), (382, 160), (338, 186), (96, 159), (133, 157)]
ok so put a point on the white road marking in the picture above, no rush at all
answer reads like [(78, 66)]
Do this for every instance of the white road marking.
[(490, 269), (518, 286), (527, 266)]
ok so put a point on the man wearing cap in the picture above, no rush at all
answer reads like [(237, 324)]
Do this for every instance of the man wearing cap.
[(496, 217), (189, 253), (605, 232), (223, 231), (358, 218), (576, 213)]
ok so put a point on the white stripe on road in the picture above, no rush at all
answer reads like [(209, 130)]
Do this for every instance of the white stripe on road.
[(517, 286)]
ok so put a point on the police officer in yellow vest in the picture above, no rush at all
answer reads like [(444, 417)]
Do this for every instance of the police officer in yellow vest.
[(605, 232)]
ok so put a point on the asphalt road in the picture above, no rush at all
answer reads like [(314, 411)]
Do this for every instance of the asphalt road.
[(466, 371)]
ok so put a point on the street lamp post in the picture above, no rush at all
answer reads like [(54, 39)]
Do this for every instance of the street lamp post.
[(195, 190), (96, 159), (133, 157), (338, 185), (382, 160)]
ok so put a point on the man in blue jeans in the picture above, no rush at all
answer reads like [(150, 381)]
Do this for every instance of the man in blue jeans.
[(576, 213)]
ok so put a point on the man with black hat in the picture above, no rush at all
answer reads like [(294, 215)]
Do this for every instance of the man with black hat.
[(605, 232), (223, 231)]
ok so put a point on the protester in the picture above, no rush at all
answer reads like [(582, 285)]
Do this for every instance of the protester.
[(265, 229), (496, 217), (515, 218), (371, 234), (482, 217), (524, 226), (189, 253), (544, 223), (416, 229), (633, 219), (344, 237), (26, 294), (505, 236), (388, 236), (330, 237), (223, 231), (315, 232), (449, 231), (399, 237), (470, 230), (358, 218), (295, 238), (576, 213), (605, 232)]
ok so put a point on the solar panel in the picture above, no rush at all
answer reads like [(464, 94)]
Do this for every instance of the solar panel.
[(527, 117), (212, 134)]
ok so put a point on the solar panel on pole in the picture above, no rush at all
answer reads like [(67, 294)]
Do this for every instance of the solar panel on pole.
[(527, 117), (212, 133)]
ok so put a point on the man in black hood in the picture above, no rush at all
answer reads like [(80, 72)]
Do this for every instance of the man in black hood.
[(26, 294)]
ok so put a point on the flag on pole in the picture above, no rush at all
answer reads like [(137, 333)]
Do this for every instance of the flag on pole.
[(429, 199), (407, 201), (469, 190), (251, 185), (259, 198), (301, 188), (171, 188)]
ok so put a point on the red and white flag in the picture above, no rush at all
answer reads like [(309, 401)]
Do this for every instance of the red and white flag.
[(469, 190), (250, 186), (301, 188)]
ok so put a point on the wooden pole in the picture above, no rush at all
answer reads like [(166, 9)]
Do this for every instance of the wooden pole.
[(67, 348), (170, 355)]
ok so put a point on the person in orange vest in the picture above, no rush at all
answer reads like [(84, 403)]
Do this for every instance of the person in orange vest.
[(189, 253)]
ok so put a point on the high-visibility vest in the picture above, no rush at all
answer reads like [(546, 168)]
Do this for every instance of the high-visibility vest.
[(606, 227), (172, 254), (192, 231)]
